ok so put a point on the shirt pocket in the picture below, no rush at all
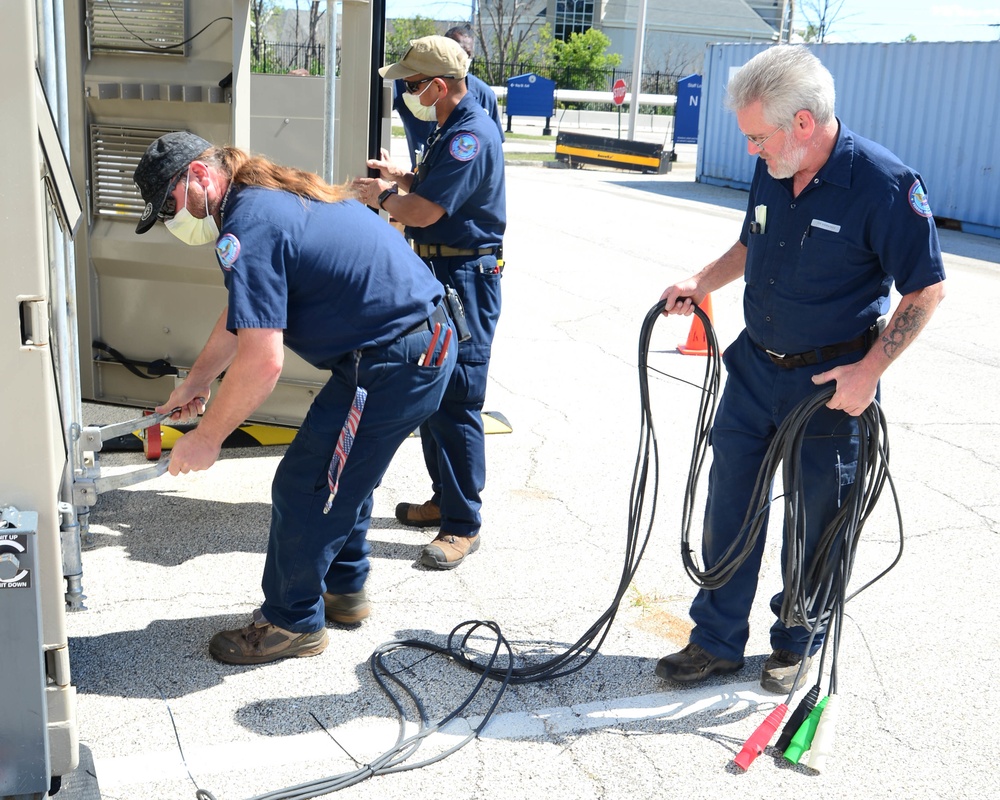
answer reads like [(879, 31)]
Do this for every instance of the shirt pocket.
[(822, 268), (756, 252)]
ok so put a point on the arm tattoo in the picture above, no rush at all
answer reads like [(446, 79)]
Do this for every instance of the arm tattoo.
[(909, 321)]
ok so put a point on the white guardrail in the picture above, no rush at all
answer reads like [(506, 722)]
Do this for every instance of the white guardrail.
[(582, 96)]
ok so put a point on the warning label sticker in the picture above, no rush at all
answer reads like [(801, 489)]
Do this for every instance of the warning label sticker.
[(12, 549)]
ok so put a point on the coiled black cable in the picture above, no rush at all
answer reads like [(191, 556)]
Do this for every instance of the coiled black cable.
[(816, 592), (499, 667)]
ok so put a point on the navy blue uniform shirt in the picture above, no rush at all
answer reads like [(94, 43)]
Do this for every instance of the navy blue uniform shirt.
[(418, 131), (462, 172), (820, 272), (328, 274)]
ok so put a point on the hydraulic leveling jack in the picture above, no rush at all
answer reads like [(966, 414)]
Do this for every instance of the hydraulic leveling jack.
[(92, 439)]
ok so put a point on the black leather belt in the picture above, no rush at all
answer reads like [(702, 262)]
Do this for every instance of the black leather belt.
[(439, 314), (443, 251), (821, 354)]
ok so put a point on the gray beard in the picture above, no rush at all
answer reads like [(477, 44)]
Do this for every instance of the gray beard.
[(787, 163)]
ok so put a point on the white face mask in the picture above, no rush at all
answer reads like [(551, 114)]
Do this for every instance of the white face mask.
[(418, 109), (189, 228)]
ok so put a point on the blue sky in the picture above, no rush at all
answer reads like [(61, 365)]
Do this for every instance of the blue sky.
[(858, 20)]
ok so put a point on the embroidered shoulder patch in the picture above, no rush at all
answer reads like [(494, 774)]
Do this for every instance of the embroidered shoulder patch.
[(918, 200), (464, 147), (228, 250)]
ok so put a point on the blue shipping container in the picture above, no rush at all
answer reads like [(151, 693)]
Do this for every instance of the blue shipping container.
[(934, 104)]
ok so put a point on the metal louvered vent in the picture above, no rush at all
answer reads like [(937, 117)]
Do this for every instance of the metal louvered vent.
[(114, 155), (136, 26)]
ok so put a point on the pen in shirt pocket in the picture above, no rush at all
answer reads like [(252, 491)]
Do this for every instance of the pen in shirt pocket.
[(832, 227)]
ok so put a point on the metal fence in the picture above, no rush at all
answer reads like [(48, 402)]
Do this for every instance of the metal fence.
[(595, 80), (284, 57), (280, 58)]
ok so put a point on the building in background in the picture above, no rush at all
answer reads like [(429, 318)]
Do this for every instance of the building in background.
[(677, 31)]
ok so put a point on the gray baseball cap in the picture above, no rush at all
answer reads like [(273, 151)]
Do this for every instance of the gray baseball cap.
[(161, 162)]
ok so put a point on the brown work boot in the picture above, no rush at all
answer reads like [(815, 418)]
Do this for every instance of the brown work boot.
[(426, 515), (346, 609), (447, 551), (260, 642)]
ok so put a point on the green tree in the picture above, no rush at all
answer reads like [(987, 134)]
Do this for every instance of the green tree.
[(581, 62), (909, 38), (542, 51), (403, 30)]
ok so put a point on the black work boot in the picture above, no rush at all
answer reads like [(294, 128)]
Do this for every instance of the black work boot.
[(694, 664), (780, 670)]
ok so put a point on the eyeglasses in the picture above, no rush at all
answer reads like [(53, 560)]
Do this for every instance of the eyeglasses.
[(169, 207), (414, 86), (759, 143)]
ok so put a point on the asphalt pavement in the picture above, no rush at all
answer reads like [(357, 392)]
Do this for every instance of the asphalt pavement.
[(588, 252)]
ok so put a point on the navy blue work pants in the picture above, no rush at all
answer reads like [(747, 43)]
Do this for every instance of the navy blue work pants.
[(310, 552), (453, 438), (757, 398)]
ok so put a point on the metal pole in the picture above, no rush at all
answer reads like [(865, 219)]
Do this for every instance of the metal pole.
[(331, 91), (640, 35)]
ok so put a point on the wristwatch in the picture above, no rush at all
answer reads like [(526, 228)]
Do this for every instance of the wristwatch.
[(384, 195)]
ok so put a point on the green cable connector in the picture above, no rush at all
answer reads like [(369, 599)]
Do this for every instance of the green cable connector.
[(804, 735), (822, 744)]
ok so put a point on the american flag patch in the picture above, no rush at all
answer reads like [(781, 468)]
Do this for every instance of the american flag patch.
[(344, 444)]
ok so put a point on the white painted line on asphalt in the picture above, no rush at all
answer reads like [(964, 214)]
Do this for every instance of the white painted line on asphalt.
[(369, 736)]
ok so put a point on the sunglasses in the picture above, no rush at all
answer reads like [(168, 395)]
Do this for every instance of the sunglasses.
[(169, 207), (414, 86)]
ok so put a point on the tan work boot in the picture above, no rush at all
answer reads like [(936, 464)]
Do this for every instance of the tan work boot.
[(346, 609), (426, 515), (260, 642), (447, 551)]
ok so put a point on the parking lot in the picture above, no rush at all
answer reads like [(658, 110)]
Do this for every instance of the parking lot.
[(171, 561)]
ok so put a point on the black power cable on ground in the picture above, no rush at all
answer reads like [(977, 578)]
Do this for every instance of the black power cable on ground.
[(498, 667)]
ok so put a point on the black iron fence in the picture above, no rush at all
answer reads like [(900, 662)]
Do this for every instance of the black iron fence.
[(594, 80), (281, 58)]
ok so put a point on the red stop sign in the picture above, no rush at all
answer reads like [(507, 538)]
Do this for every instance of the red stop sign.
[(618, 91)]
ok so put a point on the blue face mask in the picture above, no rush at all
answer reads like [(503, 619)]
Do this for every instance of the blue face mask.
[(189, 228)]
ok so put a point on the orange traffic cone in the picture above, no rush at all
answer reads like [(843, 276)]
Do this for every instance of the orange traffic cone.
[(697, 341)]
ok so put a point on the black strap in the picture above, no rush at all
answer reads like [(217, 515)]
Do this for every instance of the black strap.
[(439, 314), (154, 369)]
